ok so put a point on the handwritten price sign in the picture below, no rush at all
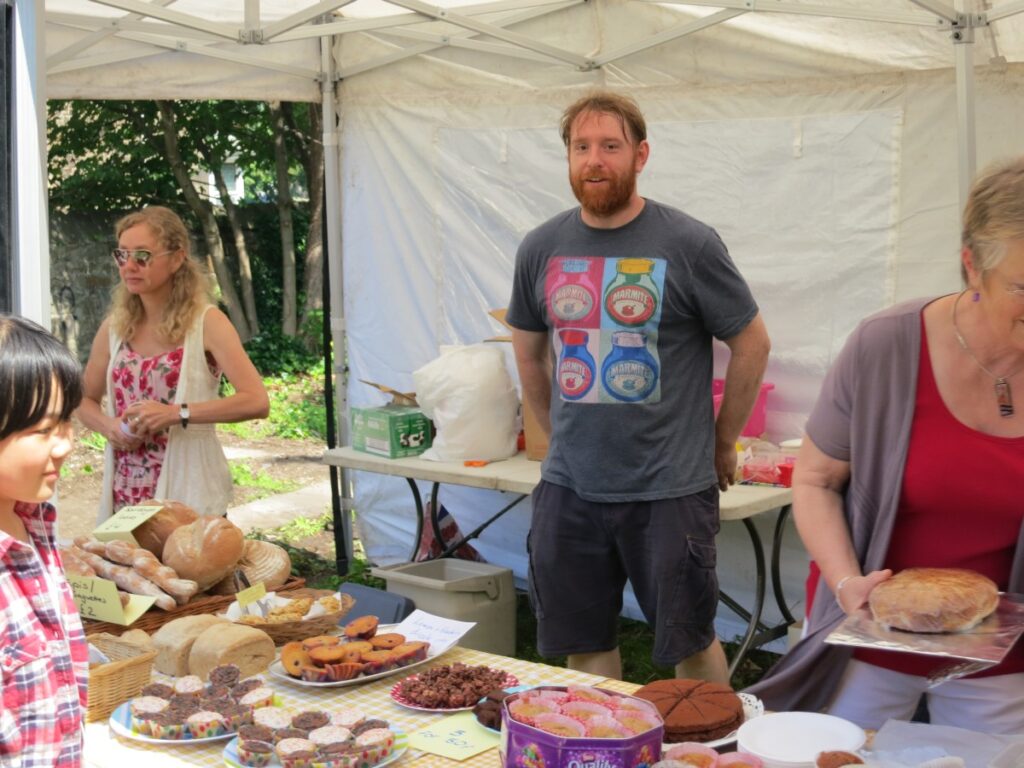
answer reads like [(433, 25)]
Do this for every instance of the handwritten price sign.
[(98, 599), (457, 737)]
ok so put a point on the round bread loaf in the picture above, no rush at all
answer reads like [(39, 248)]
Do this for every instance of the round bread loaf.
[(153, 533), (933, 600), (204, 551), (694, 710), (261, 561)]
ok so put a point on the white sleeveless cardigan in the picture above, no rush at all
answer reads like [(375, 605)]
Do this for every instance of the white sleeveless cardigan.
[(194, 470)]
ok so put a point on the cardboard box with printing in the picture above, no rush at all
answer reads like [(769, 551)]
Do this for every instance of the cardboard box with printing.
[(396, 430)]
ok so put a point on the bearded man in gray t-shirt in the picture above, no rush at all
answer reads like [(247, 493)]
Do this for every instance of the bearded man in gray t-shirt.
[(614, 307)]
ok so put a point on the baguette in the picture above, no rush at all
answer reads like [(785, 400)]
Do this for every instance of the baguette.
[(163, 576), (130, 581), (89, 544), (120, 552), (74, 565)]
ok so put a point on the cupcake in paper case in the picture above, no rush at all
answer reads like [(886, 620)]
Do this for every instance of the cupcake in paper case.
[(347, 717), (238, 716), (254, 753), (636, 720), (142, 710), (273, 718), (206, 724), (330, 735), (560, 725), (290, 733), (693, 753), (255, 733), (548, 695), (528, 709), (160, 690), (606, 728), (631, 704), (589, 693), (311, 720), (295, 753), (238, 690), (369, 725), (167, 726), (258, 697), (189, 685), (372, 746), (225, 674), (584, 710)]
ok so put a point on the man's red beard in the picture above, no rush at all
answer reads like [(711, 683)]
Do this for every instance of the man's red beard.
[(607, 199)]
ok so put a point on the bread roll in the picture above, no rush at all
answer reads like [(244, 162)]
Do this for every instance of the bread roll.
[(261, 561), (205, 550), (153, 533), (933, 600), (173, 641), (248, 648)]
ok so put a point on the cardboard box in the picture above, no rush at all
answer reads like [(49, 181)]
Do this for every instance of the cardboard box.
[(536, 440), (396, 430)]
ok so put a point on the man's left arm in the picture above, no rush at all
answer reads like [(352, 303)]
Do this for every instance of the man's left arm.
[(749, 357)]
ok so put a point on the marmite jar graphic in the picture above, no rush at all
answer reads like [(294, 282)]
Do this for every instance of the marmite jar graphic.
[(576, 369), (632, 297), (630, 372), (573, 293)]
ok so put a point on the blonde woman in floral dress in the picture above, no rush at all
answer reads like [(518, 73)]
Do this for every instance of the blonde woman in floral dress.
[(157, 359)]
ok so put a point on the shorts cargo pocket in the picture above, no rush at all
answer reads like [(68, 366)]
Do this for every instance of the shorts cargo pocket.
[(695, 596), (531, 580)]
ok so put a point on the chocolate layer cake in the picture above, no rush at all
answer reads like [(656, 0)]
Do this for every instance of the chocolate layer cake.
[(694, 710)]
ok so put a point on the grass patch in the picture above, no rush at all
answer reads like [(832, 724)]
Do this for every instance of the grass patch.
[(93, 440), (296, 409), (243, 474)]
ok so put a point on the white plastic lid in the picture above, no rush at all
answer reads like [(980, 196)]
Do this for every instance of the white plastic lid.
[(791, 444)]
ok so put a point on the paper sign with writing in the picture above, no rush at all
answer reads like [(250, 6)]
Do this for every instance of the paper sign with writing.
[(251, 595), (121, 525), (97, 599), (441, 633), (458, 737)]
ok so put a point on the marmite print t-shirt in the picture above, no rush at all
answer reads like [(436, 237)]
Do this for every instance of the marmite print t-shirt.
[(631, 314)]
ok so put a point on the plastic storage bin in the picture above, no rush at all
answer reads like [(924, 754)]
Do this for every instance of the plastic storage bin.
[(755, 425), (465, 591)]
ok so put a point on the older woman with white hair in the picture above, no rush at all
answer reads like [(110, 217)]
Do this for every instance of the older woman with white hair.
[(914, 456), (158, 358)]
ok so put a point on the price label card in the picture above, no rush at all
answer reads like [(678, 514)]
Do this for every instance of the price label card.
[(440, 632), (458, 737), (121, 524), (97, 599), (253, 594)]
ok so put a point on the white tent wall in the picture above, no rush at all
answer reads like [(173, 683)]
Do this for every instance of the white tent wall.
[(439, 187)]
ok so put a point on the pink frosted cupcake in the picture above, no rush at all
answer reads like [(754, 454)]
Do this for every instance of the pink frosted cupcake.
[(142, 711), (206, 724), (588, 693), (526, 710), (584, 710), (738, 760), (606, 728), (637, 721), (295, 753), (255, 754), (693, 753), (560, 725)]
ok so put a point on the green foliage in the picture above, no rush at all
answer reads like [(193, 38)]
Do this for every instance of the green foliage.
[(93, 440), (297, 409), (274, 353), (242, 473)]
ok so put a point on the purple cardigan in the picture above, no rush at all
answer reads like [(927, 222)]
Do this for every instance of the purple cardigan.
[(863, 416)]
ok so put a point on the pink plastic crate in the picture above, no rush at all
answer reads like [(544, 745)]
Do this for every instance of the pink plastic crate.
[(755, 425)]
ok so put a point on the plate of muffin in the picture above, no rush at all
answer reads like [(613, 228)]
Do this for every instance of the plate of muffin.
[(342, 739), (700, 711), (191, 710)]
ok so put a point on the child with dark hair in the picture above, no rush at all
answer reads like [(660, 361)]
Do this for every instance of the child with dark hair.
[(43, 653)]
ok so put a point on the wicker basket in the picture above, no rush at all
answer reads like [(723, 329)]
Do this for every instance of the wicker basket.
[(155, 618), (287, 631), (119, 680)]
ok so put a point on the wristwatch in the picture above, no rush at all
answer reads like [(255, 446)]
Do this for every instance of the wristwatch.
[(183, 414)]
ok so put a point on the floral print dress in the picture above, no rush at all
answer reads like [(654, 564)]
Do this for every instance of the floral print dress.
[(137, 378)]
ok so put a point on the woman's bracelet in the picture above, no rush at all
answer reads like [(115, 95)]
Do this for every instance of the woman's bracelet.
[(839, 589)]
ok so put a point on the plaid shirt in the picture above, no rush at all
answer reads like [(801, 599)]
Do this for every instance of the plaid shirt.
[(44, 669)]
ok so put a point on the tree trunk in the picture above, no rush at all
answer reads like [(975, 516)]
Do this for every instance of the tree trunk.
[(284, 214), (204, 213), (238, 232), (314, 239)]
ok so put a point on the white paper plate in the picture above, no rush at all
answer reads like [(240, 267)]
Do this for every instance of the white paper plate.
[(752, 707), (796, 738), (121, 724), (230, 753)]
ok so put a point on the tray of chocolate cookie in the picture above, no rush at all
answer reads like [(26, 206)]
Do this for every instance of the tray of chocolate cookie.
[(364, 651)]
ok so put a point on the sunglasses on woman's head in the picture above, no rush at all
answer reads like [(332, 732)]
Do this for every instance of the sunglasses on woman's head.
[(140, 256)]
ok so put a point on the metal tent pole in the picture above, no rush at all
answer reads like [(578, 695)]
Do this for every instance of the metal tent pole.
[(963, 46)]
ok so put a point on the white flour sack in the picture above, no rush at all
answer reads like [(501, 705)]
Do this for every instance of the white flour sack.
[(469, 395)]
